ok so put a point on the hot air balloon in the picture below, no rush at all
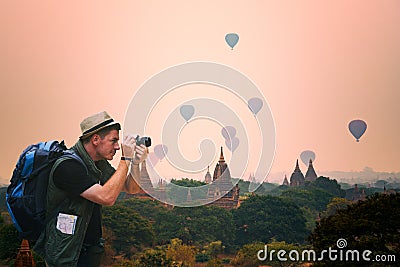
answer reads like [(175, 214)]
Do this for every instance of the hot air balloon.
[(231, 39), (357, 128), (153, 158), (255, 104), (160, 151), (187, 112), (232, 143), (228, 132), (306, 155)]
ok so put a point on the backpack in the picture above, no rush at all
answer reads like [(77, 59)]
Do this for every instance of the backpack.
[(26, 196)]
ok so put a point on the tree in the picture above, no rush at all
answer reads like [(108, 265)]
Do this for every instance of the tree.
[(165, 223), (154, 258), (335, 205), (180, 253), (179, 193), (9, 242), (129, 229), (261, 218), (328, 185), (247, 255), (205, 224), (186, 182), (215, 248), (372, 225)]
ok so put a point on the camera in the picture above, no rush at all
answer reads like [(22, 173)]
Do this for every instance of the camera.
[(143, 140)]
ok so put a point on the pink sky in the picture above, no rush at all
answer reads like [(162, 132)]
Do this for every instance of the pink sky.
[(319, 65)]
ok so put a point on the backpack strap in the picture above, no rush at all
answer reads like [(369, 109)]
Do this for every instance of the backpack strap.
[(69, 155)]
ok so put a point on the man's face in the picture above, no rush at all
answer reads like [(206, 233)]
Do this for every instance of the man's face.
[(108, 146)]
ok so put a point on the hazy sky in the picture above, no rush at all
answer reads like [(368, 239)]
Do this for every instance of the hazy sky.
[(319, 64)]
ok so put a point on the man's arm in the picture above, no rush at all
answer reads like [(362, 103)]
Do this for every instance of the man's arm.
[(131, 184), (107, 194)]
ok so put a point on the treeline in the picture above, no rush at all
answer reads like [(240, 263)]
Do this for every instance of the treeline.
[(146, 233), (289, 216)]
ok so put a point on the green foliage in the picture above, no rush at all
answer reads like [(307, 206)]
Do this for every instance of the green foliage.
[(178, 190), (310, 216), (328, 185), (194, 226), (205, 224), (126, 263), (215, 248), (263, 188), (367, 225), (39, 261), (165, 223), (214, 263), (335, 205), (261, 218), (247, 255), (175, 255), (226, 260), (202, 256), (314, 195), (3, 191), (278, 190), (282, 245), (187, 183), (154, 258), (129, 228), (180, 253), (9, 242)]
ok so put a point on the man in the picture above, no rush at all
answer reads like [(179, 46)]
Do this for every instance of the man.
[(77, 190)]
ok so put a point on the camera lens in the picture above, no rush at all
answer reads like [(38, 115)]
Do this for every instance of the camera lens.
[(147, 141)]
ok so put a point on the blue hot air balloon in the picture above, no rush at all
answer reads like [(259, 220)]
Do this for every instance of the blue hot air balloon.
[(232, 143), (357, 128), (232, 39), (255, 104), (228, 132), (187, 112)]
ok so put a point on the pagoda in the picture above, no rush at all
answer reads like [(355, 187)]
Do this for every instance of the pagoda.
[(297, 177), (221, 191), (311, 175)]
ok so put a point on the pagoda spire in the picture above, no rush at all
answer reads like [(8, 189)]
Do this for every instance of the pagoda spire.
[(297, 166), (285, 181), (221, 158), (24, 256), (208, 178)]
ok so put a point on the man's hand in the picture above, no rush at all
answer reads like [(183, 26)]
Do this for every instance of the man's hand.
[(128, 146), (140, 154)]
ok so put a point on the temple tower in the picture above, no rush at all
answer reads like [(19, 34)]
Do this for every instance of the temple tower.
[(297, 177), (208, 178), (310, 174), (285, 181)]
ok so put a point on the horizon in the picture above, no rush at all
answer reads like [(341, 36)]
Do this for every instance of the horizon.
[(358, 177)]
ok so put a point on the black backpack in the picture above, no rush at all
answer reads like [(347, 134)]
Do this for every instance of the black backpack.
[(27, 194)]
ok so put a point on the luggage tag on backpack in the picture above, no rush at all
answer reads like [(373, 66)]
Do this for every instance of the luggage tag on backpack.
[(66, 223)]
